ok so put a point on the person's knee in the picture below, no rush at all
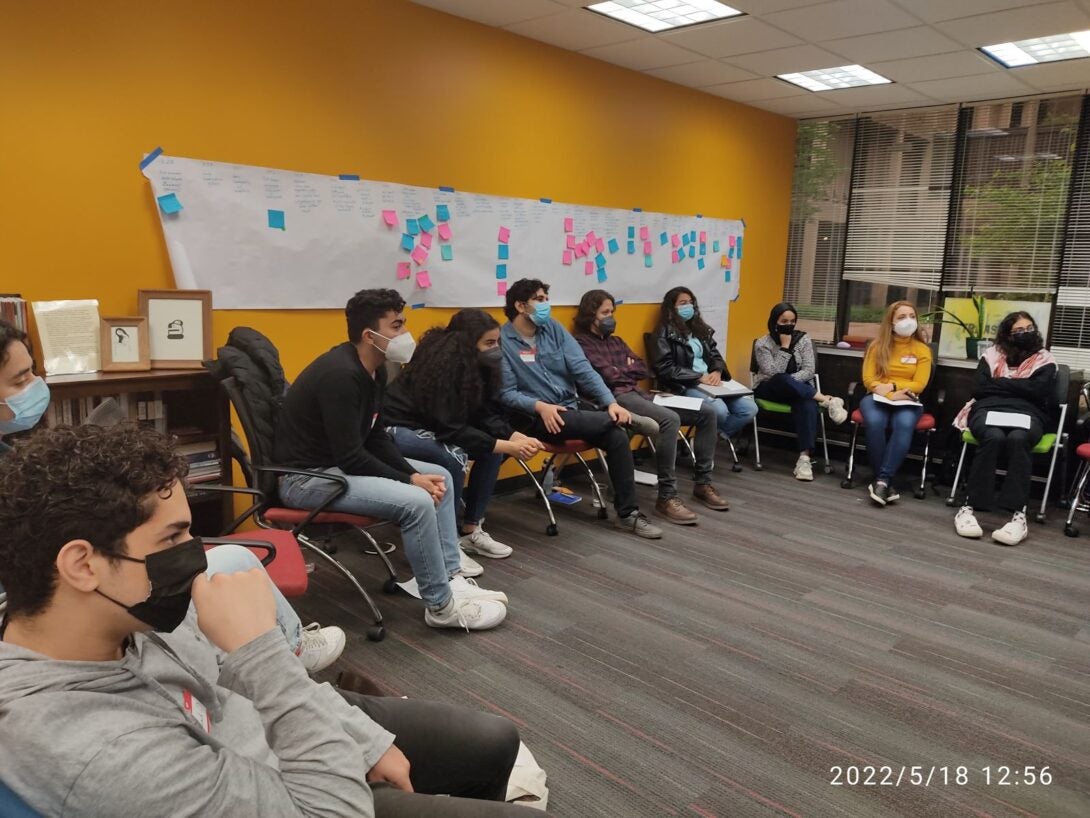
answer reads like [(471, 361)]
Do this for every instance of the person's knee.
[(669, 423), (497, 740), (419, 505), (230, 558), (744, 408)]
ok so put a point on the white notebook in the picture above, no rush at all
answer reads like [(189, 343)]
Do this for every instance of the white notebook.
[(1009, 420), (679, 402), (727, 389)]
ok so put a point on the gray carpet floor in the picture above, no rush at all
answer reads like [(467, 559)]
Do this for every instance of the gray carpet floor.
[(733, 667)]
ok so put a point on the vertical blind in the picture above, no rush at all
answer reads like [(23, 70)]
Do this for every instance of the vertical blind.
[(1070, 328)]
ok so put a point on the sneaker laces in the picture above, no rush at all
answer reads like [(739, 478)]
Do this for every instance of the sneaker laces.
[(313, 638)]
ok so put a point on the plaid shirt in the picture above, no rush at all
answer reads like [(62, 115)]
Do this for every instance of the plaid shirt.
[(614, 360)]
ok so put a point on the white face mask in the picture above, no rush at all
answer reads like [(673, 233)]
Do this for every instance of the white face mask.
[(905, 327), (400, 348)]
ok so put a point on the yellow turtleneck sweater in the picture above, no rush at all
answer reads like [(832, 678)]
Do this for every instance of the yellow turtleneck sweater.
[(909, 366)]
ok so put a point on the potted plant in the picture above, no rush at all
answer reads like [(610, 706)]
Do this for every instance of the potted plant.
[(974, 331)]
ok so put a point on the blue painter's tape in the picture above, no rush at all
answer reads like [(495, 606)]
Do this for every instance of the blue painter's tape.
[(700, 215), (546, 201), (418, 306), (446, 189), (349, 177), (618, 302), (637, 210), (743, 224), (151, 157)]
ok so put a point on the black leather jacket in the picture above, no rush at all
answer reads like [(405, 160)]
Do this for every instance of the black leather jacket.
[(674, 360)]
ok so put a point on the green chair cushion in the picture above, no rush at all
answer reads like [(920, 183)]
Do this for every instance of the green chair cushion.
[(1044, 445), (772, 406)]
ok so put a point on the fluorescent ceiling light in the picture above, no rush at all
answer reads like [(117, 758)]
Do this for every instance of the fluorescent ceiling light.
[(661, 15), (1056, 47), (829, 79)]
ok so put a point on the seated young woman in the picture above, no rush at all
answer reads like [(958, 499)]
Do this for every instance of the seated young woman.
[(441, 409), (786, 366), (1016, 376), (896, 367)]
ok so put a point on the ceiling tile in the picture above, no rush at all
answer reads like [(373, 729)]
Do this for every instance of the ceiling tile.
[(893, 45), (494, 12), (936, 67), (739, 36), (576, 30), (809, 105), (932, 11), (754, 90), (874, 95), (1071, 74), (768, 6), (702, 74), (986, 86), (785, 60), (842, 18), (1017, 24), (642, 54)]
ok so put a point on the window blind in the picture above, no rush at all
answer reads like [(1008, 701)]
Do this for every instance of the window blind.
[(1070, 330)]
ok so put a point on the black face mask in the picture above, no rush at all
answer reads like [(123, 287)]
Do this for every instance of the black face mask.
[(607, 326), (785, 329), (171, 573), (1027, 341), (490, 357)]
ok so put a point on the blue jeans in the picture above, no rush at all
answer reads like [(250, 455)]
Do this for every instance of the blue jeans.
[(429, 532), (886, 456), (782, 388), (472, 499), (731, 414), (230, 559)]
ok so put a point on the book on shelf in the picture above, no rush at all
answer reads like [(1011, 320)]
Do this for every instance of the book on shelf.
[(13, 309)]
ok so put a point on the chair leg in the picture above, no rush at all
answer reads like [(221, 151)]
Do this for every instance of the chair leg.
[(688, 445), (952, 499), (736, 466), (382, 552), (550, 529), (846, 483), (1077, 489), (1041, 515), (756, 446), (376, 633), (602, 512), (921, 492), (825, 443)]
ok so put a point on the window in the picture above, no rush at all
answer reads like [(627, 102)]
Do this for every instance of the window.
[(1071, 321)]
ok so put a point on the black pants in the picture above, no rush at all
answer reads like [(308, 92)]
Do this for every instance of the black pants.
[(452, 751), (599, 430), (994, 440), (782, 388)]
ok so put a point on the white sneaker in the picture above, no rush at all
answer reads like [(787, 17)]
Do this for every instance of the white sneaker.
[(469, 589), (470, 567), (480, 542), (1013, 532), (966, 525), (320, 647), (804, 469), (835, 409), (471, 614)]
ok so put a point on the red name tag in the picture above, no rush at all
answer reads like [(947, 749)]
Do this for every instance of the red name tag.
[(198, 711), (528, 356)]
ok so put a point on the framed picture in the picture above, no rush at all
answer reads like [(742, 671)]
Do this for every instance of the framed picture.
[(179, 327), (124, 343)]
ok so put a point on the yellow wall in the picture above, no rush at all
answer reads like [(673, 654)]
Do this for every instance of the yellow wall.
[(383, 88)]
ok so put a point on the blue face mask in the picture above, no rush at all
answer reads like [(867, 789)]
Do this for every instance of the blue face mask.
[(686, 311), (27, 407), (540, 315)]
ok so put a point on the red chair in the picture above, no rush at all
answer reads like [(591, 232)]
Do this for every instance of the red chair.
[(279, 553), (568, 447), (1078, 500)]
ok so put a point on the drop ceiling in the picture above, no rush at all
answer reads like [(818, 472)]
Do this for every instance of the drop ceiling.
[(927, 47)]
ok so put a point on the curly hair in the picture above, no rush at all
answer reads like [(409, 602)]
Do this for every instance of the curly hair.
[(367, 307), (587, 313), (9, 334), (69, 483), (1013, 354), (522, 290), (669, 318)]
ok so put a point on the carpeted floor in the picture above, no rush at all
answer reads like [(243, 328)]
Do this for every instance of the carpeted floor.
[(731, 668)]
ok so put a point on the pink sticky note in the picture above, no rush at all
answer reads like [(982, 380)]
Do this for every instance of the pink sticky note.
[(501, 288), (567, 256), (588, 268), (730, 240), (571, 242), (404, 272), (592, 237), (703, 236), (423, 280), (647, 248), (390, 217), (425, 239), (675, 240), (674, 257), (580, 249), (444, 231), (645, 234), (505, 234), (569, 224), (419, 255), (600, 245)]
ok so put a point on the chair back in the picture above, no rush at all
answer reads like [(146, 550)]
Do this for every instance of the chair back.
[(651, 352), (259, 438)]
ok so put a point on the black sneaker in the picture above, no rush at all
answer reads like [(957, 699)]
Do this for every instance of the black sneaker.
[(879, 492)]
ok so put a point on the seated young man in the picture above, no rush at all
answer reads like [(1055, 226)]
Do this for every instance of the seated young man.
[(331, 421), (543, 367), (117, 699), (24, 396), (622, 369)]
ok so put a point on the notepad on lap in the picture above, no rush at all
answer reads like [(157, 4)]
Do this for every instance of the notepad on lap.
[(888, 402), (727, 389), (1010, 420), (679, 402)]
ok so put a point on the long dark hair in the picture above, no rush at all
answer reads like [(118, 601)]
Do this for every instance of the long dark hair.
[(669, 318), (587, 313), (446, 359), (1003, 338)]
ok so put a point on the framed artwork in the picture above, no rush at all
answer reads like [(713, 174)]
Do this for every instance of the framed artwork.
[(179, 327), (124, 343)]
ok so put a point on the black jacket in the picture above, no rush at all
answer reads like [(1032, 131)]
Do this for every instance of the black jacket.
[(1033, 396), (674, 360)]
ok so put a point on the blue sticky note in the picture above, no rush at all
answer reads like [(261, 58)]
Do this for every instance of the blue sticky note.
[(448, 252), (703, 249), (631, 231), (663, 238), (692, 250), (406, 242), (442, 213), (685, 239), (426, 223), (700, 264), (739, 243), (730, 252), (599, 260), (647, 262), (631, 247), (692, 235), (726, 277), (501, 271), (412, 226), (169, 203), (715, 246), (601, 274), (276, 220), (613, 246), (502, 252)]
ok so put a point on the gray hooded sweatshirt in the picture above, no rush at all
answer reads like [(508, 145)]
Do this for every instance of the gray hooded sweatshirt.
[(168, 731)]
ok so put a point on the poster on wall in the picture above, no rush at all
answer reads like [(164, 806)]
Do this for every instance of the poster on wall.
[(952, 340), (261, 238)]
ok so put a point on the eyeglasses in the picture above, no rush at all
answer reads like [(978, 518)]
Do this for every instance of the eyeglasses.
[(1022, 331)]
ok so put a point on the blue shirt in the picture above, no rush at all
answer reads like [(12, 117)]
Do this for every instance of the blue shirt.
[(699, 364), (549, 368)]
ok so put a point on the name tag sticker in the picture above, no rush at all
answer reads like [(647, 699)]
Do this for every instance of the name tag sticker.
[(374, 419), (908, 359), (528, 355), (197, 710)]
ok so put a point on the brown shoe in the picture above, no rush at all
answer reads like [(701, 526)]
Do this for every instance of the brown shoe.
[(675, 511), (706, 493)]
